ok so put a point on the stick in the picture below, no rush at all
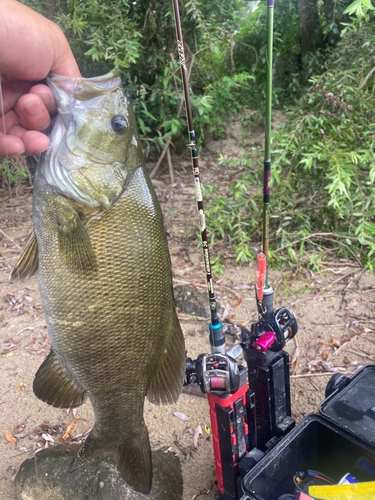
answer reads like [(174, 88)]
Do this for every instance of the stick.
[(170, 166), (156, 168), (327, 374), (27, 328), (10, 239)]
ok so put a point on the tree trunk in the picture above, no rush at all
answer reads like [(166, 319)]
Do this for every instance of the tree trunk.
[(310, 28)]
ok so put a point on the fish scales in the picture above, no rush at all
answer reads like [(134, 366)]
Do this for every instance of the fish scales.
[(105, 282)]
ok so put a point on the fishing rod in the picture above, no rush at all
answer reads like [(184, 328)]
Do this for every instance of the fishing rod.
[(232, 409), (243, 412), (268, 364), (217, 337)]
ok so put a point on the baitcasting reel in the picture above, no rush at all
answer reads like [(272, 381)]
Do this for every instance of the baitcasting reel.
[(215, 373), (273, 328)]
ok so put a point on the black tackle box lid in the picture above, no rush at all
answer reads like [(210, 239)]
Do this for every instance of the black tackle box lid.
[(352, 405)]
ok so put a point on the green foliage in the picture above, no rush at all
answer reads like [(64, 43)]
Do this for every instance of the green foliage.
[(12, 172), (140, 39), (323, 172)]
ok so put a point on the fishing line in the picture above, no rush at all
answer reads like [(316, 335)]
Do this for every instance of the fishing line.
[(267, 149), (5, 133)]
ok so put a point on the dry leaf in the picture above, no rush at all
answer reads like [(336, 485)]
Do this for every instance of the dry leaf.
[(181, 416), (325, 355), (311, 352), (184, 450), (70, 428), (21, 386), (327, 346), (198, 432), (47, 437), (10, 438), (346, 360), (238, 303)]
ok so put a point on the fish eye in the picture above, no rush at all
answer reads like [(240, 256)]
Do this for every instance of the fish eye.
[(119, 124)]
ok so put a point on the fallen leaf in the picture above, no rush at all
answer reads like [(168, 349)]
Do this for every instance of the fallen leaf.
[(47, 437), (238, 303), (21, 386), (184, 450), (311, 352), (13, 348), (325, 355), (346, 360), (181, 416), (70, 428), (10, 438), (327, 346), (207, 429)]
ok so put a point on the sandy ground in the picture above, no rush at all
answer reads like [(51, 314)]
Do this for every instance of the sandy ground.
[(335, 311)]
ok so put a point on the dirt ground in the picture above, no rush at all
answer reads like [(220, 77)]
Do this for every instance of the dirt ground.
[(335, 311)]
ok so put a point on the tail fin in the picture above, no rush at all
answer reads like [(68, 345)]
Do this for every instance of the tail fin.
[(133, 460), (132, 456)]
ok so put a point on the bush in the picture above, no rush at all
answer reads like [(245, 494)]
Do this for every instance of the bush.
[(323, 167)]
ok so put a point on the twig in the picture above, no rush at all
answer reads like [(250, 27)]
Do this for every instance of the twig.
[(27, 328), (324, 237), (170, 166), (6, 390), (156, 168), (346, 289), (327, 374), (312, 383), (295, 354), (340, 348), (10, 239), (359, 353), (333, 282)]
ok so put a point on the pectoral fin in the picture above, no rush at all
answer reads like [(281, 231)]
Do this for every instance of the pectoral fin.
[(166, 384), (54, 386), (27, 264), (74, 243)]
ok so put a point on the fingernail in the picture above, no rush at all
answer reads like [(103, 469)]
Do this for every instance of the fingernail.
[(34, 109)]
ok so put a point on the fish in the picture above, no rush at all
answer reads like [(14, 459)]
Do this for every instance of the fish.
[(100, 249)]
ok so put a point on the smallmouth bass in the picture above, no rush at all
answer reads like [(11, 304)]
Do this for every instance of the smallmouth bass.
[(100, 247)]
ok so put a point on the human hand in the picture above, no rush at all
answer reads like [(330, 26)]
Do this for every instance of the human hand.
[(31, 47)]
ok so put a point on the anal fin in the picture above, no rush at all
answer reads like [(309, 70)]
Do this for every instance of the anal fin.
[(166, 384), (27, 264), (54, 386)]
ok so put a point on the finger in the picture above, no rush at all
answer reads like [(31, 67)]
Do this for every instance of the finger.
[(12, 92), (18, 131), (32, 112), (10, 146), (9, 121), (64, 63), (45, 93), (35, 142)]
